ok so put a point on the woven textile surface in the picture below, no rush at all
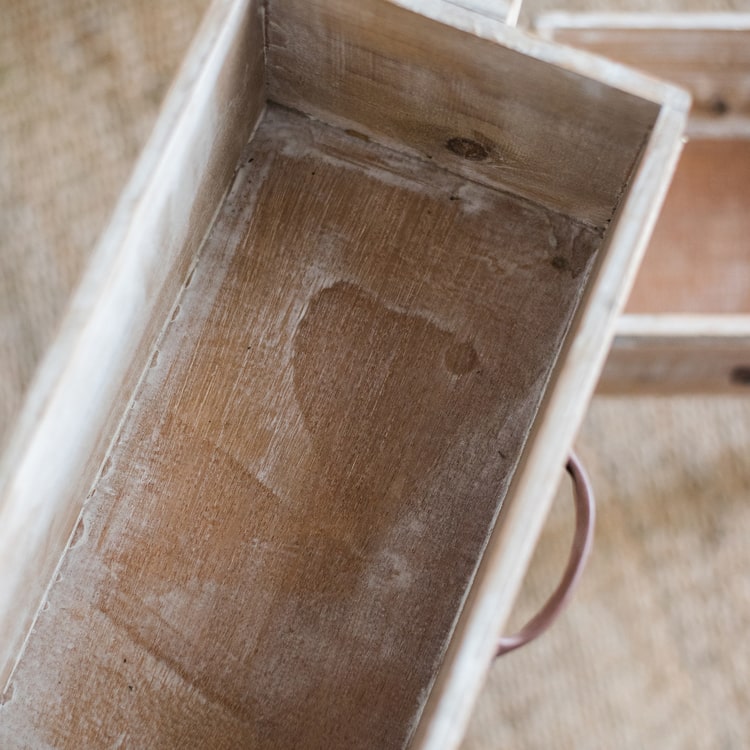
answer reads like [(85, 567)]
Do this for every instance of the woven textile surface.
[(81, 82), (653, 652)]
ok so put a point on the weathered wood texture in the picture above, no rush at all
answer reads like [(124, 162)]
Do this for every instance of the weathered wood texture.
[(281, 539), (541, 138), (87, 379), (699, 256)]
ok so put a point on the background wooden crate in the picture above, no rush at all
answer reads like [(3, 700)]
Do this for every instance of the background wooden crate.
[(687, 324)]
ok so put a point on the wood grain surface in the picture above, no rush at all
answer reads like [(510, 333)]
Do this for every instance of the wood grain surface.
[(679, 354), (280, 542), (412, 83)]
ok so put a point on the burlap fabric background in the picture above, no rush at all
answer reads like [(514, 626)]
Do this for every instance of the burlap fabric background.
[(654, 651), (81, 82)]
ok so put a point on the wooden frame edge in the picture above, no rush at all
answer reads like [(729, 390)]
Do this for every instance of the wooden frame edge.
[(546, 23), (506, 12)]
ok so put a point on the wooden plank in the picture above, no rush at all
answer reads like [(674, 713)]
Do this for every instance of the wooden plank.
[(699, 257), (680, 354), (283, 535), (88, 377), (414, 83), (534, 9)]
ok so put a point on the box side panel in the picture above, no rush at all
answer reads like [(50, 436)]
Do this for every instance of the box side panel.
[(472, 105), (679, 354)]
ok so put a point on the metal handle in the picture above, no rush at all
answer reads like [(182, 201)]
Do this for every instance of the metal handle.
[(582, 541)]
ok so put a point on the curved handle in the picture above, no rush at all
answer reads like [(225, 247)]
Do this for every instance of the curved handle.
[(582, 541)]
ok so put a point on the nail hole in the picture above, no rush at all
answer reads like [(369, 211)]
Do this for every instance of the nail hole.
[(467, 149), (357, 134), (719, 106), (740, 375)]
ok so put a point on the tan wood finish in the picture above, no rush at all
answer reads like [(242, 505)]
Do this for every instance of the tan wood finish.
[(309, 472), (379, 346), (699, 256), (398, 91)]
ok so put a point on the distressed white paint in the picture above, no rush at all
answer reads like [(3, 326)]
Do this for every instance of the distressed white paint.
[(497, 10), (681, 326)]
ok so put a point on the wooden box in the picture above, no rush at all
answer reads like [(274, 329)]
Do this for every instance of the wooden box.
[(687, 323), (309, 409)]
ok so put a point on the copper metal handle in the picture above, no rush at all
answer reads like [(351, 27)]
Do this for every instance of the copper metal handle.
[(582, 541)]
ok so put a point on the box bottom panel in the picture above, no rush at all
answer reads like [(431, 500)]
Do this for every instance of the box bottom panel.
[(279, 544)]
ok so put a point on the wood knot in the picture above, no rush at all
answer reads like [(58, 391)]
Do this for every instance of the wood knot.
[(560, 262), (467, 148), (740, 375)]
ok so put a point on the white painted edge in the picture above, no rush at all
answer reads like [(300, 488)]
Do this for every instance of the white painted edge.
[(658, 326), (514, 12), (499, 10), (78, 377), (547, 23), (512, 542), (585, 64), (466, 15), (496, 9)]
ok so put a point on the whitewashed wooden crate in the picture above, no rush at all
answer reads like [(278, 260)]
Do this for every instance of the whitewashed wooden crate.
[(686, 327), (286, 465)]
